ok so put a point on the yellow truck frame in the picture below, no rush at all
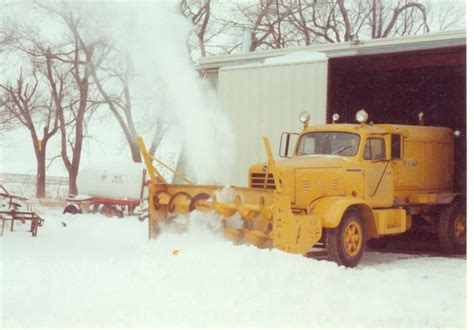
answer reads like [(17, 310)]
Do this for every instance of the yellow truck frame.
[(344, 185)]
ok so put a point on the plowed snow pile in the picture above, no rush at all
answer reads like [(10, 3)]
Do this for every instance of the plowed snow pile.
[(103, 272)]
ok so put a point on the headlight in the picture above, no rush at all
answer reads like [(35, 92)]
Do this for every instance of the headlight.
[(304, 117), (362, 116)]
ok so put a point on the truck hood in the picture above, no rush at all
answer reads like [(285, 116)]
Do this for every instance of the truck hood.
[(315, 161), (309, 161)]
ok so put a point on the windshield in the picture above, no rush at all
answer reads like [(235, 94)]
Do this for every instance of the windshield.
[(328, 143)]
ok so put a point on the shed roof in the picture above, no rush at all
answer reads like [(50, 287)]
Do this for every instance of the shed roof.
[(363, 47)]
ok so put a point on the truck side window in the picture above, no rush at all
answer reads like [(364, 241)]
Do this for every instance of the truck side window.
[(374, 149), (396, 146)]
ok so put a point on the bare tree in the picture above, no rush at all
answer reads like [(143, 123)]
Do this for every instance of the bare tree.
[(57, 81), (99, 65), (390, 18), (447, 15), (120, 105), (64, 68), (317, 21), (341, 20), (113, 79), (285, 23), (22, 102), (6, 34), (68, 66), (268, 21), (199, 12)]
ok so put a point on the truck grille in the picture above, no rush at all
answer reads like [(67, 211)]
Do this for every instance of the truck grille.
[(257, 180)]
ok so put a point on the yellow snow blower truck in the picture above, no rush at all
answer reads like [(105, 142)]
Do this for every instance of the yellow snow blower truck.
[(343, 184)]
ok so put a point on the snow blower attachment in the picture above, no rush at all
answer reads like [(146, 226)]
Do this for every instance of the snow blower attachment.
[(268, 220), (342, 186)]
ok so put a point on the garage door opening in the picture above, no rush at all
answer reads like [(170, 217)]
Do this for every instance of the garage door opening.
[(396, 87)]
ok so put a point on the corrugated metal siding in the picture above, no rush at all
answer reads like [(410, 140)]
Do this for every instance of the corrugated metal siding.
[(213, 79), (265, 101)]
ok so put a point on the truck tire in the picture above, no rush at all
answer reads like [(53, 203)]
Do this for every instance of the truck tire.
[(452, 227), (345, 244)]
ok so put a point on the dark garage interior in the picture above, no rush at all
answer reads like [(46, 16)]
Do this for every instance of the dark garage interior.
[(395, 87)]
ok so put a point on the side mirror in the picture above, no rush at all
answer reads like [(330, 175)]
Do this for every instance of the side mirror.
[(287, 143)]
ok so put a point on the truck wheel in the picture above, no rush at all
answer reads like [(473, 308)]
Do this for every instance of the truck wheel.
[(452, 227), (345, 244)]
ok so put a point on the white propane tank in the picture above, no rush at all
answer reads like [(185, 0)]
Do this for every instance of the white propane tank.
[(116, 180)]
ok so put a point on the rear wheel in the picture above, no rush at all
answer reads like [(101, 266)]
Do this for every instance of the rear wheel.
[(345, 244), (452, 227)]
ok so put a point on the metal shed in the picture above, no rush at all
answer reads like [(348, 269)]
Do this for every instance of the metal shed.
[(393, 79)]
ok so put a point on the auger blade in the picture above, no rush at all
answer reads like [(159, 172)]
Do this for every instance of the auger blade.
[(162, 199), (248, 211), (234, 234), (180, 202), (202, 202), (256, 237), (225, 209), (267, 213)]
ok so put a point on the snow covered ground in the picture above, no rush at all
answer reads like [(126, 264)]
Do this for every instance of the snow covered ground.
[(97, 271)]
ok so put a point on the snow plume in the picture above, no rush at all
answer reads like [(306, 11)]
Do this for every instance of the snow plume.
[(154, 35), (226, 195)]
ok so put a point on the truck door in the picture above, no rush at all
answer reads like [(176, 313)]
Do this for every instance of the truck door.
[(378, 188)]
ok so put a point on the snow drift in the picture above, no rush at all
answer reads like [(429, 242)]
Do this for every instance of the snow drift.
[(100, 272)]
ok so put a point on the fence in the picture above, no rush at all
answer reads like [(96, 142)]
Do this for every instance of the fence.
[(25, 184)]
